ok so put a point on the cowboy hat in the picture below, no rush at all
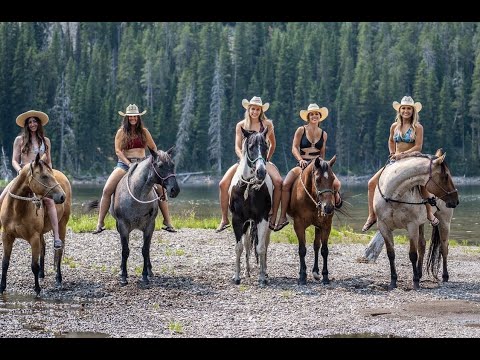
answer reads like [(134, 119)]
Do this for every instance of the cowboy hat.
[(407, 101), (132, 110), (255, 101), (32, 113), (314, 108)]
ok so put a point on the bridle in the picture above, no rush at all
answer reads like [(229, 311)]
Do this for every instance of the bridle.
[(424, 201), (253, 181), (36, 200), (318, 192), (162, 183)]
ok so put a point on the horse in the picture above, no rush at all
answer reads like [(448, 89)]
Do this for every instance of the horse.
[(135, 204), (312, 202), (399, 205), (23, 216), (250, 203)]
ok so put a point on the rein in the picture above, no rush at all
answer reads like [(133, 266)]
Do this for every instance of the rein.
[(34, 199), (162, 179)]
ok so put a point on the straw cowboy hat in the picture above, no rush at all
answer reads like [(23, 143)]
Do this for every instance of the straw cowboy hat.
[(255, 101), (407, 100), (314, 108), (38, 114), (132, 110)]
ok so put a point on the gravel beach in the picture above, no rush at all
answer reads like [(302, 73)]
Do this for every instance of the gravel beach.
[(192, 294)]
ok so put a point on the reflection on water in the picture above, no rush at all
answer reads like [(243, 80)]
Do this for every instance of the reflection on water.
[(201, 201)]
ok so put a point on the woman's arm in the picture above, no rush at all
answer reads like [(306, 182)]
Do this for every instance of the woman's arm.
[(271, 139), (238, 139), (118, 149), (16, 156), (391, 142), (324, 147), (48, 157), (150, 143)]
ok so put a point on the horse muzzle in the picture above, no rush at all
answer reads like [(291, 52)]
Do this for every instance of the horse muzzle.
[(58, 198)]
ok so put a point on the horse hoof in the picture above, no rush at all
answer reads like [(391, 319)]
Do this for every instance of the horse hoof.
[(316, 276), (123, 282), (263, 282), (145, 281), (391, 287), (237, 281), (302, 282), (325, 281), (416, 285)]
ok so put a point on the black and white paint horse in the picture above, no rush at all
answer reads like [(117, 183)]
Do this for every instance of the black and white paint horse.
[(251, 202)]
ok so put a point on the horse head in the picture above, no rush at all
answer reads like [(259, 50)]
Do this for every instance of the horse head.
[(41, 180), (322, 178), (164, 169), (255, 150), (440, 182)]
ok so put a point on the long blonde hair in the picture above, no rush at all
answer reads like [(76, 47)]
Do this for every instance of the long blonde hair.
[(415, 120), (248, 121)]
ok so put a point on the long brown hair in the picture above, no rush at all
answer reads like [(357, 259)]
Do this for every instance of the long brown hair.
[(128, 135), (26, 135)]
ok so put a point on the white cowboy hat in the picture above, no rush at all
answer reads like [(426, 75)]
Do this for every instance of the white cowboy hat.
[(408, 101), (38, 114), (255, 101), (314, 108), (132, 110)]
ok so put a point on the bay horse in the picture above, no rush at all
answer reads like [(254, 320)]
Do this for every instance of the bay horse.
[(135, 204), (399, 205), (23, 216), (250, 203), (312, 202)]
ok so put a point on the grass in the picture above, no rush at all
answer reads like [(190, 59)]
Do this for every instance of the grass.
[(175, 327), (189, 220)]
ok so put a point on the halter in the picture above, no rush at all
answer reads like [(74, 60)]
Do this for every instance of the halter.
[(34, 199), (318, 192), (252, 181), (431, 201), (162, 179)]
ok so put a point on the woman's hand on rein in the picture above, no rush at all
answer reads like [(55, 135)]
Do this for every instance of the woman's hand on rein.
[(303, 163)]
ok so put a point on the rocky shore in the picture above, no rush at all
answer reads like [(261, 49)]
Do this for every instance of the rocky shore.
[(192, 294)]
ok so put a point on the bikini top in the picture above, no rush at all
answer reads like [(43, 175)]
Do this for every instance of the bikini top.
[(406, 138)]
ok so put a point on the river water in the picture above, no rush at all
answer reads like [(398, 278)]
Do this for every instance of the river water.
[(201, 201)]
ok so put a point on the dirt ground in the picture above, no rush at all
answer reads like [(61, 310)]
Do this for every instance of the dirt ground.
[(192, 294)]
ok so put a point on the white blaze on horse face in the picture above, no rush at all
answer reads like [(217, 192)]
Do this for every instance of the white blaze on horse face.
[(325, 174)]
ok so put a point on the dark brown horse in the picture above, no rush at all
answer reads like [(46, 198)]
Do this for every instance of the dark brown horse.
[(312, 202), (23, 215)]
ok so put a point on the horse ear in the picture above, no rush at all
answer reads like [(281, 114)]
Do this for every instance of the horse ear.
[(332, 160), (439, 160), (317, 161), (153, 153), (37, 158), (246, 133), (171, 151), (439, 152)]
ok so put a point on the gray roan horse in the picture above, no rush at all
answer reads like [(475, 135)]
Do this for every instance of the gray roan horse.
[(312, 203), (135, 204), (399, 205), (250, 203)]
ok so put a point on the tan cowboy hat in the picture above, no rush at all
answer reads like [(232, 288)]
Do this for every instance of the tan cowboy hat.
[(407, 100), (38, 114), (255, 101), (132, 110), (314, 108)]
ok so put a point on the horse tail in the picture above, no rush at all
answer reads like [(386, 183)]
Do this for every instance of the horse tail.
[(91, 205), (433, 259)]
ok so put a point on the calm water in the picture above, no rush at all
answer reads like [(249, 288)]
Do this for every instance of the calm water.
[(202, 202)]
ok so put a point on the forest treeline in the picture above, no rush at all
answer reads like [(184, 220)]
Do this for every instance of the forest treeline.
[(191, 79)]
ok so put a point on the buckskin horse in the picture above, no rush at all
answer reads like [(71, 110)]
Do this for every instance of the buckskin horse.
[(399, 205), (23, 216), (135, 204), (250, 203), (312, 202)]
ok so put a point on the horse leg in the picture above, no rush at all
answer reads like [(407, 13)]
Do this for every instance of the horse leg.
[(262, 233), (124, 237), (7, 252), (62, 233), (36, 249), (238, 230), (247, 240), (41, 274), (421, 250), (302, 251), (444, 230), (413, 231), (388, 238), (316, 247), (325, 233), (147, 239)]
